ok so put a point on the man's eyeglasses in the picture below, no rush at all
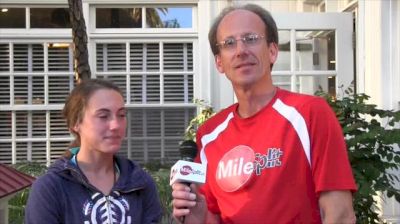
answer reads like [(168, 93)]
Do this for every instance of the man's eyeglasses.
[(248, 40)]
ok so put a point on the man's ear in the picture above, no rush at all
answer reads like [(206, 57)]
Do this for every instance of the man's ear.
[(218, 63), (273, 52)]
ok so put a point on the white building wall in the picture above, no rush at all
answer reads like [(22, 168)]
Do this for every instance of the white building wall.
[(380, 57)]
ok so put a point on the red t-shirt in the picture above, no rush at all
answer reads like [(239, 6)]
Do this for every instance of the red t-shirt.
[(271, 167)]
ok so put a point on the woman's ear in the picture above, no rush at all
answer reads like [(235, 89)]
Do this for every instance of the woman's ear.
[(76, 128)]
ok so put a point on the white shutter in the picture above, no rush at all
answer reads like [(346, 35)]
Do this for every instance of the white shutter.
[(37, 57), (152, 61), (174, 57), (174, 87), (152, 85), (59, 88), (145, 86), (100, 65), (58, 148), (4, 58), (152, 117), (58, 126), (38, 124), (153, 150), (5, 90), (28, 89), (175, 121), (111, 57), (5, 125), (171, 148), (38, 152), (136, 121), (21, 60), (5, 152), (178, 87), (22, 152), (37, 89), (20, 90), (59, 59), (138, 149), (136, 88), (123, 151), (155, 133)]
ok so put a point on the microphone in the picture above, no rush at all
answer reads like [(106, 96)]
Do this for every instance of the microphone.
[(188, 150), (185, 170)]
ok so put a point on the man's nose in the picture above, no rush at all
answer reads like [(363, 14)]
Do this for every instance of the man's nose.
[(241, 48)]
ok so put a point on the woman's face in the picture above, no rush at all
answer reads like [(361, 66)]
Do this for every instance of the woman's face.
[(103, 124)]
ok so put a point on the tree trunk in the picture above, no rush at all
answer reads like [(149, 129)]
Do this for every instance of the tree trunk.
[(79, 36)]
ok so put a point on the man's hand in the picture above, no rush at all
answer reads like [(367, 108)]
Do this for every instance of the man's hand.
[(189, 206), (337, 207)]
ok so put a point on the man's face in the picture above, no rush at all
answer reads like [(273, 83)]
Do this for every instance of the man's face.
[(245, 64)]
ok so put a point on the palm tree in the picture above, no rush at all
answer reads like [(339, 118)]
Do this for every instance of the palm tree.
[(152, 16), (79, 36)]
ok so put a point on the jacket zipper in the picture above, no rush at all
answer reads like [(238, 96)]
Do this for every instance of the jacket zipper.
[(109, 213)]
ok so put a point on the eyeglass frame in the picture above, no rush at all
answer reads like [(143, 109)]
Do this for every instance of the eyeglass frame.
[(222, 44)]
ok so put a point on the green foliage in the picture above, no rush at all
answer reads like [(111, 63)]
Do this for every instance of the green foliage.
[(372, 137), (161, 177), (206, 111), (160, 174), (16, 206)]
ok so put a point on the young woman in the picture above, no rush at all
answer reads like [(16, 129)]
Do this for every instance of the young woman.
[(90, 184)]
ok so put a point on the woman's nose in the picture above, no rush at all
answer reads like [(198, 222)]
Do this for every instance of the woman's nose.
[(115, 123)]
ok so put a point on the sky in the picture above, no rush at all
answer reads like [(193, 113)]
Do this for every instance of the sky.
[(183, 15)]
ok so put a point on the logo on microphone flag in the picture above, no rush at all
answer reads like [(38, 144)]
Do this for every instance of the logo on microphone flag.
[(186, 170), (189, 172)]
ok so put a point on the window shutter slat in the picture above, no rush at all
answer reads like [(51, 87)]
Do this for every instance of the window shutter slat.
[(59, 88), (58, 148), (21, 57), (59, 59), (38, 124), (5, 125), (37, 90), (58, 126), (20, 90), (5, 152), (39, 152), (4, 58), (37, 58), (5, 90)]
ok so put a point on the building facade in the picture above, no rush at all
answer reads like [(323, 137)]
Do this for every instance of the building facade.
[(158, 53)]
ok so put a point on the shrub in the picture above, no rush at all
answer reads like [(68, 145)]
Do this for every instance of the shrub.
[(17, 204), (372, 137)]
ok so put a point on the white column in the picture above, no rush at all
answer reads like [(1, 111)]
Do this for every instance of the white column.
[(382, 73), (215, 87)]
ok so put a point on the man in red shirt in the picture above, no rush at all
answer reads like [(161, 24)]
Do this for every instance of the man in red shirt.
[(273, 157)]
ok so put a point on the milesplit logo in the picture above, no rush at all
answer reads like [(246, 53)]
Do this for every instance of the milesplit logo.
[(237, 166)]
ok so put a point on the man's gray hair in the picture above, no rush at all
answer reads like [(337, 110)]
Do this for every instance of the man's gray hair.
[(270, 26)]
